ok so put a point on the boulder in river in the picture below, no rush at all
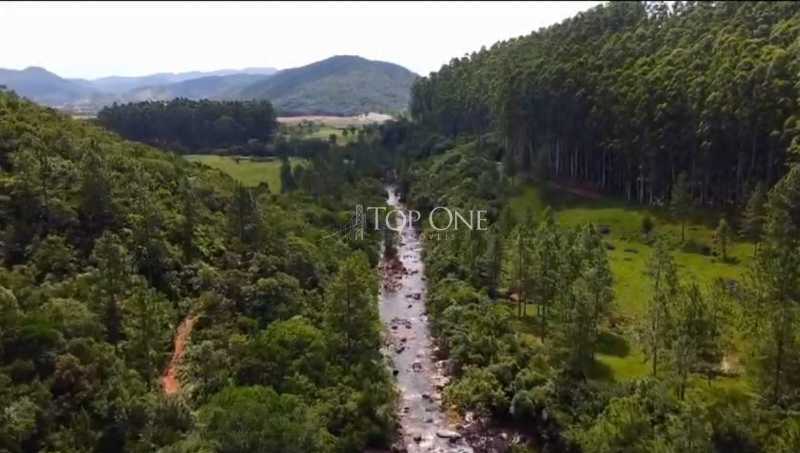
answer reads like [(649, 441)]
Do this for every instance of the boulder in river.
[(447, 434)]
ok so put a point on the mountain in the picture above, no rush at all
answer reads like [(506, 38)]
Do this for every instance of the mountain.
[(210, 87), (340, 85), (120, 85), (42, 86)]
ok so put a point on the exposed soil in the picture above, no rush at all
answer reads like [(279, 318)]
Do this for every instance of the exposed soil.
[(169, 381)]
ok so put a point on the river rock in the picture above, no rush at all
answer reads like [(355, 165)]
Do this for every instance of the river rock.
[(447, 434)]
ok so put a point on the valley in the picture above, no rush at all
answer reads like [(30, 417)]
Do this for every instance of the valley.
[(424, 424), (197, 267)]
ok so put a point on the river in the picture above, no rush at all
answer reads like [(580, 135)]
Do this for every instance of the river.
[(424, 424)]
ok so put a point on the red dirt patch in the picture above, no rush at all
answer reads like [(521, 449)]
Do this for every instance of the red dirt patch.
[(169, 381)]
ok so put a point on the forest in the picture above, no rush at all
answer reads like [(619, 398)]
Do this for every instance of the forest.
[(637, 290), (193, 126), (681, 114), (628, 96), (108, 245)]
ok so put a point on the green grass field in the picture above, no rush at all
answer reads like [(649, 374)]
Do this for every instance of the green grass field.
[(619, 358), (247, 171)]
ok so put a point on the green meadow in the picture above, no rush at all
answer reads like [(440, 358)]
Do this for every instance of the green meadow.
[(619, 358), (250, 172)]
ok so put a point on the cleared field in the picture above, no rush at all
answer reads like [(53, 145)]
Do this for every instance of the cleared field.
[(619, 358), (337, 121), (248, 171)]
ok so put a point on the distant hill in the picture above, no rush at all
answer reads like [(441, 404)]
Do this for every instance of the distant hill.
[(211, 87), (44, 87), (340, 85), (120, 85)]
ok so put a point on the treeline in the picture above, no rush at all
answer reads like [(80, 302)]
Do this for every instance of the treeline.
[(522, 310), (192, 126), (629, 95), (106, 245)]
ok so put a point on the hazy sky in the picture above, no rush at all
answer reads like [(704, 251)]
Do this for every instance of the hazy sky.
[(94, 40)]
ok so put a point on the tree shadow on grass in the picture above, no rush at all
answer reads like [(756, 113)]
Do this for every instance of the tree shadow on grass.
[(612, 344), (600, 371)]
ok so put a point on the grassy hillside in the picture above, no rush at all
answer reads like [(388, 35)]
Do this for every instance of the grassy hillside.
[(341, 85)]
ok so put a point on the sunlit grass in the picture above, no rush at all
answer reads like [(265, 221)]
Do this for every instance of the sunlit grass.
[(248, 171), (629, 252)]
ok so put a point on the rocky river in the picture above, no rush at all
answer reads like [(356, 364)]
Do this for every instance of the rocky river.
[(425, 425)]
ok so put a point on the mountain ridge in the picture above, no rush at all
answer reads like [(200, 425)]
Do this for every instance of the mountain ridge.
[(338, 85)]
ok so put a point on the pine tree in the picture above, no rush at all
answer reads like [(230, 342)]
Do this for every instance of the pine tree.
[(754, 215), (723, 238), (773, 312), (680, 201), (696, 344), (351, 312), (519, 256), (288, 182), (244, 217), (599, 283), (114, 268), (146, 323), (96, 208), (658, 327), (577, 332), (189, 222)]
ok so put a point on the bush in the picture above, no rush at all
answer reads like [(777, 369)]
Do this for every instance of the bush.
[(480, 391)]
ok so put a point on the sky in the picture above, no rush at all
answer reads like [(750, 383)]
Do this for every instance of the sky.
[(91, 40)]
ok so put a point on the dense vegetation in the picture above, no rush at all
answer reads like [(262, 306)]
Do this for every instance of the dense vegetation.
[(107, 245), (523, 311), (188, 125), (676, 106), (628, 96)]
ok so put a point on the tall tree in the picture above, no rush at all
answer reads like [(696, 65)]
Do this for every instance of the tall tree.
[(680, 201), (723, 238), (658, 325), (244, 216), (774, 311), (754, 215), (96, 207), (351, 312), (697, 344), (288, 183), (114, 269)]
